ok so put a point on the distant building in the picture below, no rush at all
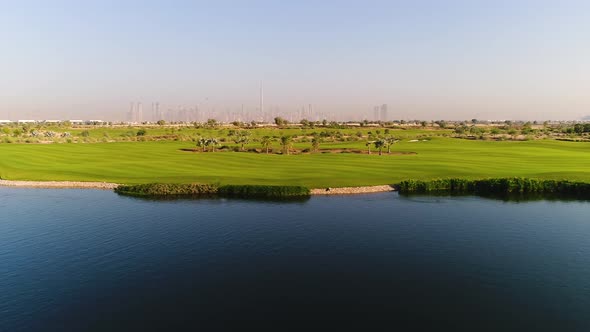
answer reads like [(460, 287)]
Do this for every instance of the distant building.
[(384, 116)]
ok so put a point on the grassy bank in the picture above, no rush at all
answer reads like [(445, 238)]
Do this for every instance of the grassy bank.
[(164, 162), (496, 187), (195, 189)]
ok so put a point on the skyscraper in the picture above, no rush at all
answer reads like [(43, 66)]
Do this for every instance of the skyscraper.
[(384, 116), (139, 115), (261, 97), (130, 114)]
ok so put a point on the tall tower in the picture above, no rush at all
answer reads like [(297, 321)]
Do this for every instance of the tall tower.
[(261, 97), (384, 115), (130, 114), (139, 112)]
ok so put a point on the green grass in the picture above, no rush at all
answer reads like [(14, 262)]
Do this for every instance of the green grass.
[(163, 162)]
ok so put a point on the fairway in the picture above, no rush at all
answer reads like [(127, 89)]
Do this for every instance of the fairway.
[(145, 162)]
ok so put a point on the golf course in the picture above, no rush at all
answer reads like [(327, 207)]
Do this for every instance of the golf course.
[(333, 165)]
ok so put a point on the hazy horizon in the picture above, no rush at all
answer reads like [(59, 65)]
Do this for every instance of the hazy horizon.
[(518, 60)]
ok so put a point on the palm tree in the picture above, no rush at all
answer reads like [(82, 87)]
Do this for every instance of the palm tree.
[(212, 142), (241, 137), (266, 143), (379, 145), (287, 143), (315, 143), (389, 140), (202, 143), (368, 144)]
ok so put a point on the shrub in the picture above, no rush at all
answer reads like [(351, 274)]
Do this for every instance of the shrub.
[(496, 186), (197, 189), (262, 191), (166, 189)]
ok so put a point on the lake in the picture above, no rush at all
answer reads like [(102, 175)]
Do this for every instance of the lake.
[(92, 260)]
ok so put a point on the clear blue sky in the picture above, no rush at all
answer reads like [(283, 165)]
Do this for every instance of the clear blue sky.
[(426, 59)]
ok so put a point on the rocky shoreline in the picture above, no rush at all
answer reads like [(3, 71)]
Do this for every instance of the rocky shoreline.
[(110, 186), (59, 184), (352, 190)]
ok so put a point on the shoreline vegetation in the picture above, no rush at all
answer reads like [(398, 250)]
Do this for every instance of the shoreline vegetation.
[(453, 186), (196, 190), (498, 186)]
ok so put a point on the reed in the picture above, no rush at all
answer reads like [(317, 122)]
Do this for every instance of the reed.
[(496, 186)]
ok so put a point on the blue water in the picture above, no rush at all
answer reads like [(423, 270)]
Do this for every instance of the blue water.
[(91, 260)]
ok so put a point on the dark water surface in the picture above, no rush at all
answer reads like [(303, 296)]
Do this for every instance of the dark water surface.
[(75, 260)]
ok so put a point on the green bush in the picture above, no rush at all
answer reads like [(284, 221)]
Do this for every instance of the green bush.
[(167, 189), (262, 191), (496, 186), (197, 189)]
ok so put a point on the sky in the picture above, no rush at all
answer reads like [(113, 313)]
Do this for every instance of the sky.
[(426, 59)]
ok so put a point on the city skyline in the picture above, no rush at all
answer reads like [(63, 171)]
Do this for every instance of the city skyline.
[(455, 60)]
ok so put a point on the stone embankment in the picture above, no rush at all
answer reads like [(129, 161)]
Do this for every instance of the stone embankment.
[(59, 184), (110, 186), (352, 190)]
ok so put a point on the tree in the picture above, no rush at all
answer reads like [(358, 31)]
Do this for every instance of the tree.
[(286, 143), (389, 141), (161, 122), (368, 145), (202, 143), (315, 143), (212, 123), (241, 137), (280, 121), (460, 129), (213, 142), (441, 123), (379, 144), (266, 143)]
